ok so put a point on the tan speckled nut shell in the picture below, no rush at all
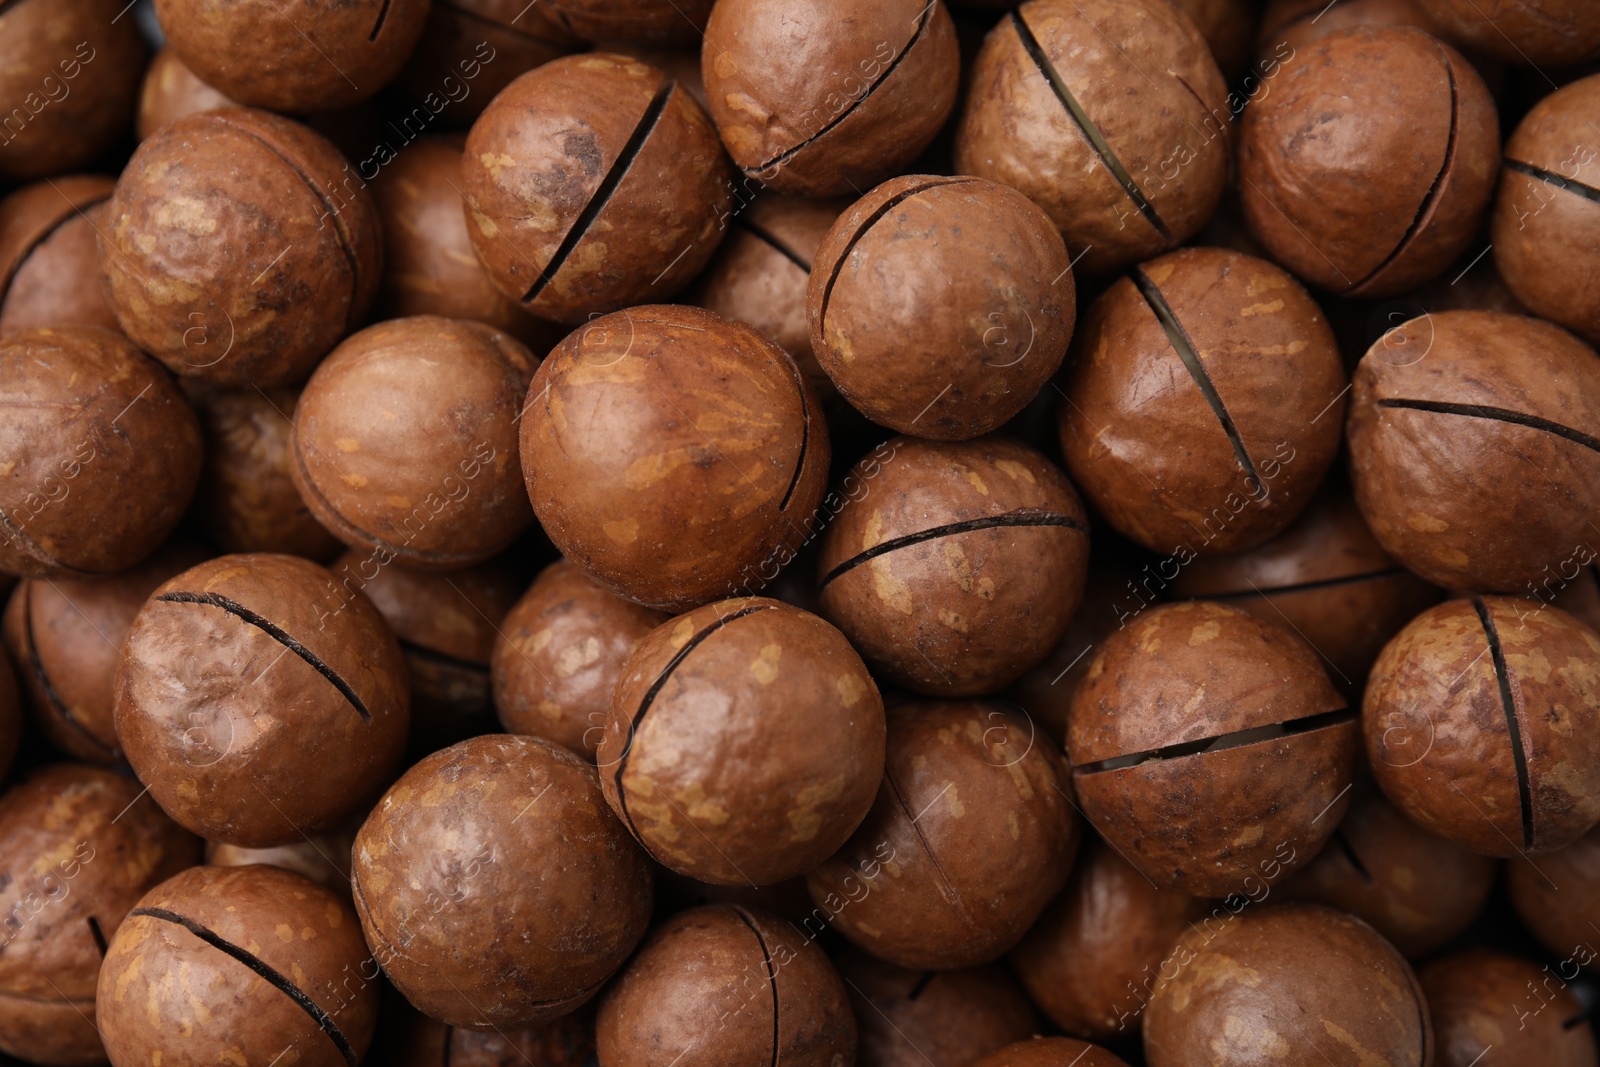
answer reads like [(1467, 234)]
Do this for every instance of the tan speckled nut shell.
[(745, 742), (49, 265), (971, 835), (1493, 743), (1210, 822), (496, 887), (1052, 1052), (237, 251), (1537, 32), (241, 680), (1486, 1005), (240, 962), (675, 456), (78, 847)]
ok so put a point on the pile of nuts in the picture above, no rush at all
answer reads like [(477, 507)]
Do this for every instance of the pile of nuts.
[(768, 533)]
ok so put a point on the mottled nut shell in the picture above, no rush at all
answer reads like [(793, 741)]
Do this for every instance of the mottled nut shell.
[(241, 679), (739, 986), (1535, 32), (1365, 168), (1052, 1052), (171, 91), (593, 183), (69, 74), (914, 1018), (229, 962), (831, 97), (49, 265), (1546, 223), (958, 566), (675, 456), (1192, 814), (1480, 1000), (1092, 958), (66, 636), (745, 742), (78, 848), (486, 919), (1482, 724), (940, 306), (1281, 984), (482, 45), (1558, 895), (643, 21), (323, 858), (1417, 890), (1203, 402), (405, 441), (1111, 115), (236, 251), (970, 837), (1448, 410), (564, 1042), (557, 657), (294, 55), (101, 453)]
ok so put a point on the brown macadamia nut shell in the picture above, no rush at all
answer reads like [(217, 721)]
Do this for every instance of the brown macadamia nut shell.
[(49, 263), (1481, 1001)]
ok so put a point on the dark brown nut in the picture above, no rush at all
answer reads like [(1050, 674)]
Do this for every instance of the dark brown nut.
[(1209, 748), (446, 623), (1417, 890), (739, 986), (1052, 1052), (1558, 897), (1092, 959), (564, 1042), (472, 49), (101, 453), (79, 847), (237, 680), (745, 742), (428, 264), (557, 657), (828, 98), (486, 920), (971, 835), (1203, 402), (242, 963), (1546, 223), (1281, 984), (69, 75), (940, 306), (593, 183), (1327, 578), (645, 21), (66, 636), (1061, 108), (172, 91), (232, 251), (1480, 1000), (1450, 409), (939, 1018), (1577, 593), (663, 490), (247, 501), (959, 565), (1228, 27), (1289, 27), (49, 266), (1482, 724), (405, 441), (294, 55), (1535, 32), (10, 716), (1366, 167), (323, 858)]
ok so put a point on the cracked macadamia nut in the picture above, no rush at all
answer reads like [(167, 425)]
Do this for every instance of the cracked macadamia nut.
[(738, 986), (1484, 1002), (972, 833), (1482, 724), (1127, 163), (49, 264), (1209, 748), (940, 306), (101, 453), (1558, 896), (1365, 168), (1203, 402), (1475, 447), (594, 183), (745, 742), (677, 457), (1532, 32), (233, 250), (959, 565), (405, 441), (78, 847), (243, 682), (171, 91), (495, 887), (224, 963), (558, 654)]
